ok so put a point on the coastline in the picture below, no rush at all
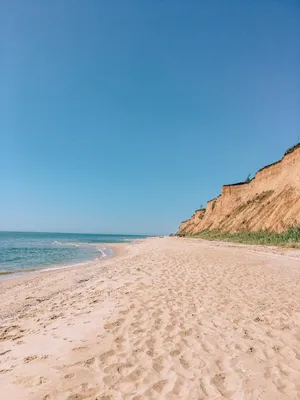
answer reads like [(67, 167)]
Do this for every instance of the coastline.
[(114, 250), (165, 318)]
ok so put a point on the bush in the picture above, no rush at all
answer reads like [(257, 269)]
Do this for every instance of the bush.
[(291, 149)]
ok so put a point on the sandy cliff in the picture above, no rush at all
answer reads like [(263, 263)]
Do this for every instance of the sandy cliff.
[(271, 200)]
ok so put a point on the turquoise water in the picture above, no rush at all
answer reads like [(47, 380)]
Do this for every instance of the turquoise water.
[(27, 251)]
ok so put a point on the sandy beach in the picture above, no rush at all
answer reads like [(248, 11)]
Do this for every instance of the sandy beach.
[(167, 318)]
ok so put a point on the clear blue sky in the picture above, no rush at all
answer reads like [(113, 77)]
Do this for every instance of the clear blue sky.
[(125, 116)]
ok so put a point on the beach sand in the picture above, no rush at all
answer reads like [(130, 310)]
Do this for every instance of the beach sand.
[(168, 318)]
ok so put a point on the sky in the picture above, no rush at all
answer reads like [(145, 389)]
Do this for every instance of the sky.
[(126, 116)]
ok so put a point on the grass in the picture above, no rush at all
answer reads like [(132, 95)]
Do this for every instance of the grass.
[(290, 238)]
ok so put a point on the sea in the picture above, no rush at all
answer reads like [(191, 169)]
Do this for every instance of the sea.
[(31, 252)]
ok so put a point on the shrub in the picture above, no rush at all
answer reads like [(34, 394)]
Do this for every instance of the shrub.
[(291, 149)]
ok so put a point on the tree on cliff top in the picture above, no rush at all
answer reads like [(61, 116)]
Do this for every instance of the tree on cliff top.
[(248, 179)]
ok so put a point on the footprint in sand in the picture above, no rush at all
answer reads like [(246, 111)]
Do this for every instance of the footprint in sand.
[(12, 332), (31, 381), (184, 363), (112, 325), (175, 352), (34, 357), (159, 386), (105, 356), (80, 348), (118, 368), (4, 352), (158, 364), (5, 371), (69, 376)]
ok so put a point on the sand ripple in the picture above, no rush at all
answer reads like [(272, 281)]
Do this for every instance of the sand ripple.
[(172, 319)]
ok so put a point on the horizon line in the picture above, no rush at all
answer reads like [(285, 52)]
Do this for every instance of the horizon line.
[(79, 233)]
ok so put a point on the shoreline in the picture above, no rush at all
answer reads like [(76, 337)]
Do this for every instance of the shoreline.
[(115, 251), (165, 318)]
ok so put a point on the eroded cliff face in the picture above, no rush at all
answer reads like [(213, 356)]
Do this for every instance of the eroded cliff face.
[(271, 200)]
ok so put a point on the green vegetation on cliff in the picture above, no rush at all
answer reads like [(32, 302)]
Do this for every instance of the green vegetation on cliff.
[(290, 238), (291, 149)]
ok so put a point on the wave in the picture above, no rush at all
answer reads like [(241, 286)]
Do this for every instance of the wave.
[(105, 252)]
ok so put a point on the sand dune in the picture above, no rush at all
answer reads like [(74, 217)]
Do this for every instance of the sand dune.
[(170, 319)]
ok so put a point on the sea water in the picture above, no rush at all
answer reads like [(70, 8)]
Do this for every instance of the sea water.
[(22, 252)]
